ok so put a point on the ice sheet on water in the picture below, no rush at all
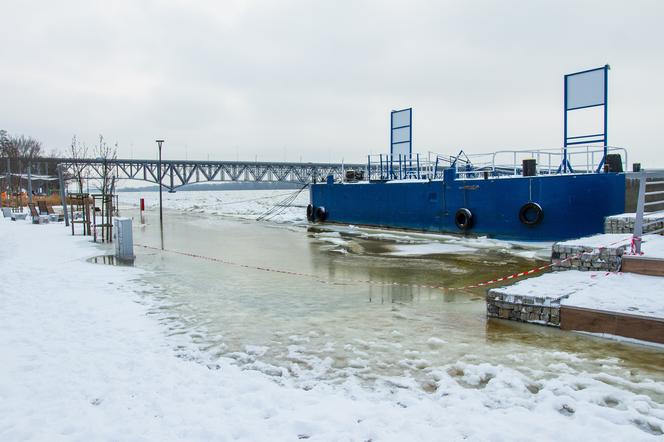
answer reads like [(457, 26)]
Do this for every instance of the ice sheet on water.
[(258, 350), (428, 249), (332, 238), (410, 243), (245, 204)]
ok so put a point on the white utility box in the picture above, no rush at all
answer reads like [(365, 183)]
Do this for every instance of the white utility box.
[(124, 240)]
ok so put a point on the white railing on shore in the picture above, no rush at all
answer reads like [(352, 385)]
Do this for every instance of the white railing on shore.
[(649, 202)]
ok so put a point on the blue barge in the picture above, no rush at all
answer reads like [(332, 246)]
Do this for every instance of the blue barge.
[(538, 195), (528, 208)]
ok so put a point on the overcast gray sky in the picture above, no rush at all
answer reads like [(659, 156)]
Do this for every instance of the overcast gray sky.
[(316, 80)]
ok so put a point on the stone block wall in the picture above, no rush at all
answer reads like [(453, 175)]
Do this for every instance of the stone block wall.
[(533, 309), (625, 223), (585, 258)]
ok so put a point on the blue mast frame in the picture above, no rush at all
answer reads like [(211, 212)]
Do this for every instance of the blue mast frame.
[(586, 139), (393, 128)]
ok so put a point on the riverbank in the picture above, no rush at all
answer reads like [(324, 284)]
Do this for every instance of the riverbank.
[(587, 292), (84, 359)]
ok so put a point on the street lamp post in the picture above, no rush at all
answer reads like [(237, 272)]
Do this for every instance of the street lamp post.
[(161, 212)]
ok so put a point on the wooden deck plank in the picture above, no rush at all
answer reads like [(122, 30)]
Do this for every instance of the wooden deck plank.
[(643, 265), (596, 321)]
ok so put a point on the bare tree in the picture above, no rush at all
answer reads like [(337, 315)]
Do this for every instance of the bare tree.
[(77, 151), (4, 139), (105, 152), (4, 146), (8, 146), (27, 147), (20, 150)]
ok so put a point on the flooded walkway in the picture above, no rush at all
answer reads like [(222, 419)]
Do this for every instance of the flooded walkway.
[(301, 330)]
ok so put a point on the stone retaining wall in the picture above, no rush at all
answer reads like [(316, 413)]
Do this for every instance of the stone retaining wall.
[(533, 309), (625, 223), (585, 258)]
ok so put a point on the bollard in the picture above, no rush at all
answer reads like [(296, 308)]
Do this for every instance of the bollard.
[(529, 167), (614, 161)]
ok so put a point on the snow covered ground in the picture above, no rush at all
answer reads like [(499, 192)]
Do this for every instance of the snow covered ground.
[(83, 360), (601, 240), (652, 245), (623, 293), (613, 292)]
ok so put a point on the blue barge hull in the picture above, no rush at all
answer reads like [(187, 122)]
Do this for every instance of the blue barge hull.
[(573, 205)]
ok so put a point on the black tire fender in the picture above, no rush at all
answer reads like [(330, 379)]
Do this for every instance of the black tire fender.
[(321, 214), (531, 214), (463, 218)]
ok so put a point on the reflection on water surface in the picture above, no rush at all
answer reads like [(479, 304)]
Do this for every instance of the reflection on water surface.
[(304, 329)]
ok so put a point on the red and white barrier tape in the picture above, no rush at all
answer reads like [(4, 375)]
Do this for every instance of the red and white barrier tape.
[(371, 282), (509, 277)]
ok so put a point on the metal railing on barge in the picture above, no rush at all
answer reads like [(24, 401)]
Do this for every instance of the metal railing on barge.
[(649, 206), (503, 163)]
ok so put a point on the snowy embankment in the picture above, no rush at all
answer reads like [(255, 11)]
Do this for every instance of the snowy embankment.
[(607, 291), (652, 245), (82, 360)]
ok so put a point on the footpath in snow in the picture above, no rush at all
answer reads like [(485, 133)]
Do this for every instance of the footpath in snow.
[(83, 360)]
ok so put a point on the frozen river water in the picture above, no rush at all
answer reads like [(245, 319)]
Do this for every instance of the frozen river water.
[(324, 326)]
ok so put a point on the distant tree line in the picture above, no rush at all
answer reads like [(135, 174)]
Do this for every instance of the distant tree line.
[(22, 152), (23, 147)]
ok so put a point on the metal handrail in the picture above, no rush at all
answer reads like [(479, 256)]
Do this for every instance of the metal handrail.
[(400, 167), (641, 205), (581, 159), (549, 160)]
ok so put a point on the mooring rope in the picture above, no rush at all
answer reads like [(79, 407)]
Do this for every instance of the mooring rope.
[(226, 203), (282, 205)]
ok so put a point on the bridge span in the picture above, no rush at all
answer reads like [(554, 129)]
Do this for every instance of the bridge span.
[(176, 173)]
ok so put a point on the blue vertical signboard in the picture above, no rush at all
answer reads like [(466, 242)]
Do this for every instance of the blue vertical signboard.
[(584, 90), (401, 133)]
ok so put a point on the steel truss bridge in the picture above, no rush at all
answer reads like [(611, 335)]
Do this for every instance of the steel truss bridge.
[(176, 173)]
